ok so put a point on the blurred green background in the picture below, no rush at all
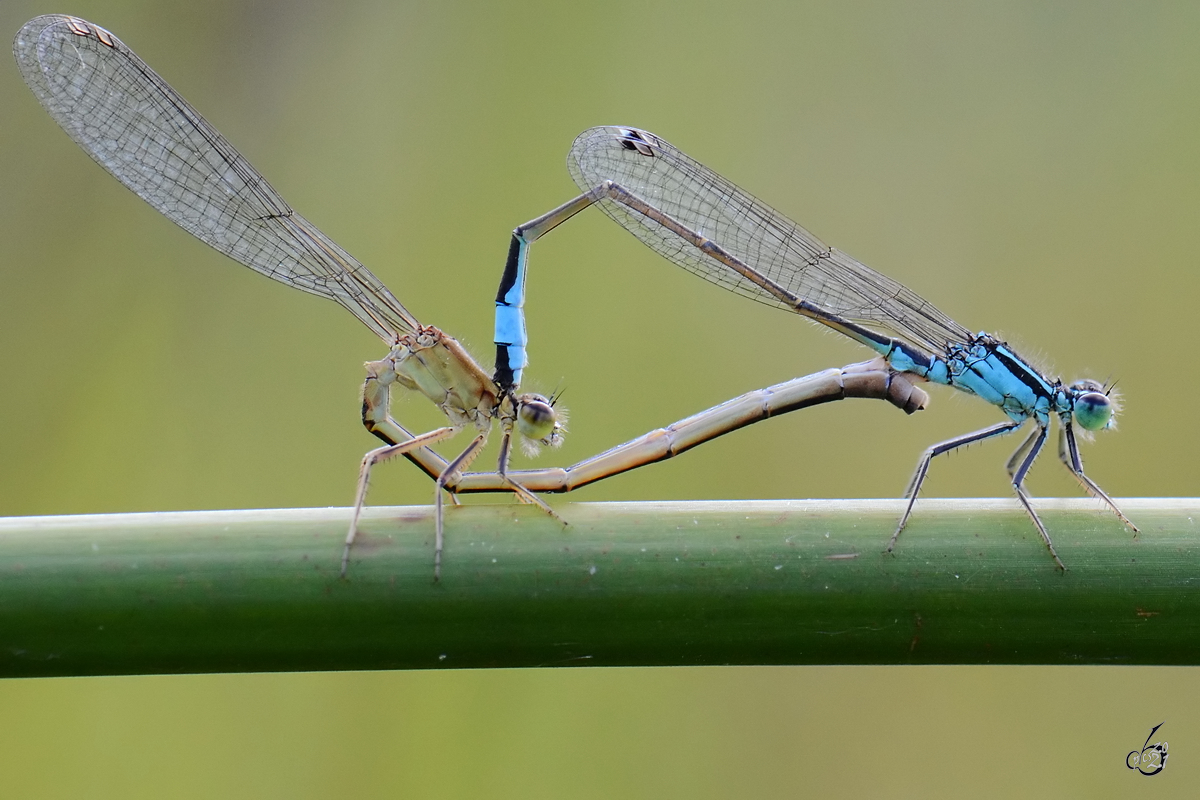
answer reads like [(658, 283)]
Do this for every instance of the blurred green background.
[(1031, 168)]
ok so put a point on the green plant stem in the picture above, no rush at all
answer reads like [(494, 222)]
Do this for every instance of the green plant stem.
[(761, 582)]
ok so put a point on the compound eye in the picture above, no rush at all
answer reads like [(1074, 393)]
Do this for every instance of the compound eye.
[(1093, 411), (536, 418)]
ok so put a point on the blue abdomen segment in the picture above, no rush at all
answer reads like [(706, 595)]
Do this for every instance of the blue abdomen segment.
[(511, 337)]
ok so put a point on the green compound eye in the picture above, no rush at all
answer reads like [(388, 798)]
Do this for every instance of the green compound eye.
[(1093, 411), (536, 418)]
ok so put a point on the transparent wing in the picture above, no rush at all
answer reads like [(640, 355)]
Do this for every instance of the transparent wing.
[(149, 138), (770, 243)]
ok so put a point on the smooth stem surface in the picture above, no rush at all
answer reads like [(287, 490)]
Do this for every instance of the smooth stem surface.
[(758, 582)]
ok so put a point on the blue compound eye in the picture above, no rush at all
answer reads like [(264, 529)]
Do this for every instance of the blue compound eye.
[(1093, 411)]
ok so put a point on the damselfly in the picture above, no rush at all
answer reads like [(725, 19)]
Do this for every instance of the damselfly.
[(149, 138), (702, 222)]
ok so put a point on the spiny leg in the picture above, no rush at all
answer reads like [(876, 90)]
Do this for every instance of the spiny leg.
[(374, 457), (454, 470), (1068, 453), (377, 418), (918, 478), (523, 494), (459, 463), (1031, 448), (1019, 453)]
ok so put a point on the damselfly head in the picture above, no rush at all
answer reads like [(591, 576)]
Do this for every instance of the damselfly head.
[(1094, 407), (539, 423)]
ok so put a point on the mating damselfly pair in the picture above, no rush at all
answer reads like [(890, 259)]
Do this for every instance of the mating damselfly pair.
[(145, 134)]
